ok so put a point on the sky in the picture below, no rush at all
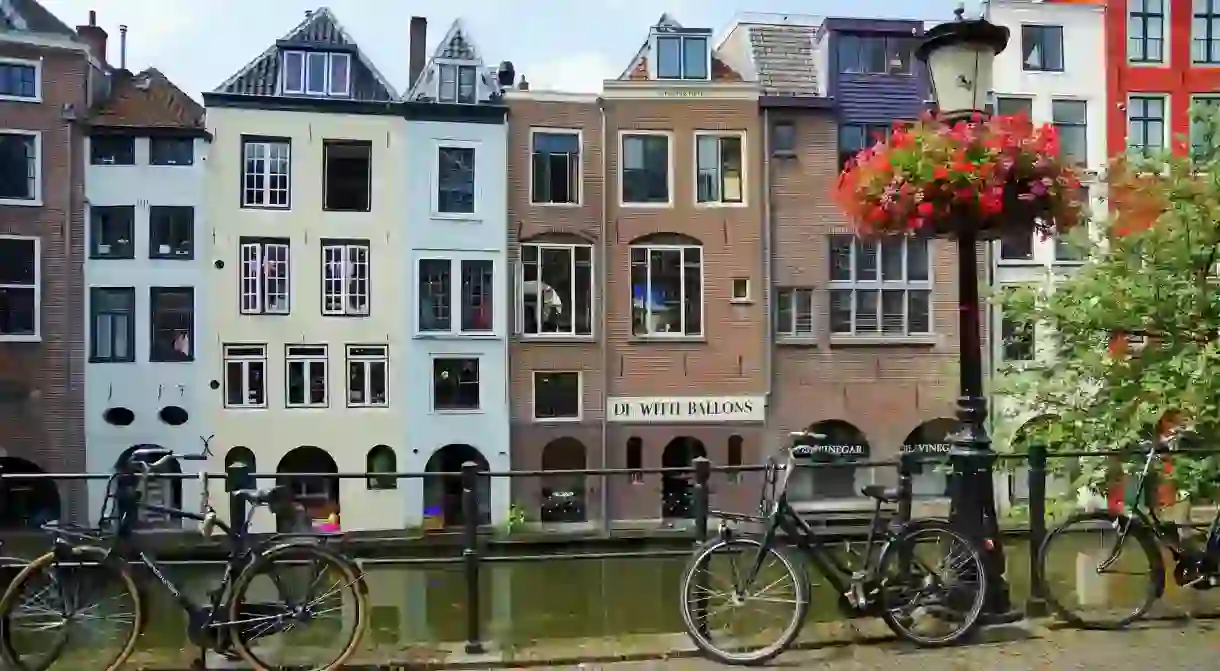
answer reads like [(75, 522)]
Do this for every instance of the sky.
[(567, 45)]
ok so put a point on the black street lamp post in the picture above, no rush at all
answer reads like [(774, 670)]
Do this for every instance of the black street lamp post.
[(959, 56)]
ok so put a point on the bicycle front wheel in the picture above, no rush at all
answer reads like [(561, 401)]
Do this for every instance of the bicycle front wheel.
[(284, 590), (718, 607), (79, 612)]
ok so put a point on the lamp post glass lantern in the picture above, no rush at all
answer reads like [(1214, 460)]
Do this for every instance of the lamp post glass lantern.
[(959, 55)]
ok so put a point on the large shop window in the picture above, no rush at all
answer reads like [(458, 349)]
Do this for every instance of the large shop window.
[(556, 290), (667, 287)]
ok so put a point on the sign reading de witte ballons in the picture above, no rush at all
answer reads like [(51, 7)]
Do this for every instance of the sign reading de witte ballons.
[(687, 409)]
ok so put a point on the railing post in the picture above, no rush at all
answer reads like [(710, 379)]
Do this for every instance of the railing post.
[(1036, 607), (470, 554), (238, 476), (906, 475), (703, 472)]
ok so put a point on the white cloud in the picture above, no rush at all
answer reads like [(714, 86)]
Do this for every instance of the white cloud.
[(582, 72)]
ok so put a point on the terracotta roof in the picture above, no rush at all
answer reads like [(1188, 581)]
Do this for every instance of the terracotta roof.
[(721, 72), (147, 100)]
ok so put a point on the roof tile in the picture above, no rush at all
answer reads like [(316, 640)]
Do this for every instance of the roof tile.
[(147, 100), (784, 58)]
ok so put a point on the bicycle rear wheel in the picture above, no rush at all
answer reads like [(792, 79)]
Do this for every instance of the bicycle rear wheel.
[(52, 599), (708, 597), (267, 624), (930, 574)]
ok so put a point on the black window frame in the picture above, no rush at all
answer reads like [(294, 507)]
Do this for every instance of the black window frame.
[(1146, 121), (155, 296), (169, 151), (1206, 103), (1069, 128), (21, 287), (129, 315), (102, 146), (631, 179), (866, 131), (13, 80), (547, 379), (458, 360), (161, 214), (1205, 49), (851, 48), (1025, 104), (683, 72), (98, 214), (542, 168), (361, 145), (452, 182), (779, 146), (1034, 35), (1139, 47)]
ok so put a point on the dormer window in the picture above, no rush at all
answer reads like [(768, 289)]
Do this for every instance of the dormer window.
[(682, 57), (317, 73), (458, 84)]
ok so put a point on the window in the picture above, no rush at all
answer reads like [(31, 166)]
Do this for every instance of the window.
[(436, 295), (1018, 340), (1042, 48), (718, 170), (455, 383), (794, 313), (1071, 120), (635, 459), (112, 150), (741, 290), (171, 151), (20, 288), (879, 288), (667, 290), (556, 395), (455, 180), (1145, 31), (1017, 247), (347, 177), (556, 167), (264, 276), (317, 73), (853, 138), (245, 376), (345, 277), (734, 459), (682, 57), (367, 376), (644, 178), (1146, 124), (875, 54), (20, 167), (783, 138), (1065, 251), (112, 314), (1015, 107), (173, 322), (265, 177), (557, 289), (1208, 106), (171, 232), (1205, 31), (305, 366), (458, 84), (381, 459), (111, 232), (20, 80)]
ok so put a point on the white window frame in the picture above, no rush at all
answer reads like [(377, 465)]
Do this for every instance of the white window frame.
[(328, 89), (682, 334), (580, 397), (708, 41), (721, 202), (571, 250), (244, 360), (258, 304), (746, 296), (269, 146), (366, 361), (432, 384), (789, 295), (457, 327), (24, 62), (580, 165), (879, 286), (456, 67), (36, 336), (436, 180), (348, 261), (36, 200), (306, 361), (622, 138)]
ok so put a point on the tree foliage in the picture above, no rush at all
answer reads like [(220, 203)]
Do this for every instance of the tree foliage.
[(1134, 333)]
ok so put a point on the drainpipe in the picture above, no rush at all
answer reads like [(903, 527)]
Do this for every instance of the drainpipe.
[(604, 318), (68, 115), (767, 265)]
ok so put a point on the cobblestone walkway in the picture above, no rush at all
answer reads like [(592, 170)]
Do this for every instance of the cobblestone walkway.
[(1188, 646)]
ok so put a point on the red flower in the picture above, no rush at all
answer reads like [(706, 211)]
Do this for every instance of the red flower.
[(925, 209)]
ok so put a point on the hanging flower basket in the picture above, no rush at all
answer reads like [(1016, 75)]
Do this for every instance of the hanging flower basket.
[(993, 177)]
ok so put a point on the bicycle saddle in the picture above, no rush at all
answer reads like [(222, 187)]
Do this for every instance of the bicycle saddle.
[(880, 493)]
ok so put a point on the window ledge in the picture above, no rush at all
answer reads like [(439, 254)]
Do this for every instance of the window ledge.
[(1019, 262), (557, 338), (662, 340), (22, 202), (798, 341), (469, 217), (558, 420), (456, 411), (721, 206), (268, 208), (645, 206), (455, 335), (741, 301), (783, 153), (106, 361), (21, 99), (562, 206), (884, 341)]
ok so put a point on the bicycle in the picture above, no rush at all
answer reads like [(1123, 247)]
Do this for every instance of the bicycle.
[(897, 586), (1195, 567), (231, 622)]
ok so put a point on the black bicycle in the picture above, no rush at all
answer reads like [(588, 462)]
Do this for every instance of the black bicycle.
[(87, 580), (1087, 550), (892, 578)]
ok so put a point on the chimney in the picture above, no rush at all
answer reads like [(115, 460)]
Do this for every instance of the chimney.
[(94, 37), (123, 46), (419, 42), (506, 74), (523, 85)]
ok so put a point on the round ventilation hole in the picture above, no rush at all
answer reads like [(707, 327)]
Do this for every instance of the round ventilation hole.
[(119, 416), (173, 415)]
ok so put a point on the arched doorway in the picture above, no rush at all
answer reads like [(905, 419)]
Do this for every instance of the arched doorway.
[(843, 445), (677, 488), (563, 495), (243, 455), (317, 493), (930, 442), (163, 491), (443, 495), (26, 504)]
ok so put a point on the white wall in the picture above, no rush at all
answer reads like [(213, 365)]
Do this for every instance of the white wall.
[(142, 386)]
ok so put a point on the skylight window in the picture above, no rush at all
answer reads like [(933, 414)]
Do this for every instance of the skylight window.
[(317, 73)]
